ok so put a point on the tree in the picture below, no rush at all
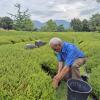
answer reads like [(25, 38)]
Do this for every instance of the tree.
[(76, 24), (44, 28), (50, 26), (94, 22), (0, 22), (27, 25), (98, 28), (85, 25), (6, 23), (22, 20), (60, 28)]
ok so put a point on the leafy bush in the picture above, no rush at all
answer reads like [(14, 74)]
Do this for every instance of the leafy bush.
[(22, 76)]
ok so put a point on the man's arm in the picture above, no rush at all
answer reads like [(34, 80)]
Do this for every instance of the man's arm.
[(63, 72), (60, 66), (55, 79)]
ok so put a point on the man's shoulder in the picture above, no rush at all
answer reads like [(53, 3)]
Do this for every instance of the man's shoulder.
[(68, 45), (65, 44)]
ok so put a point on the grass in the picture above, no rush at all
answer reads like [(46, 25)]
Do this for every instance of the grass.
[(21, 69), (61, 92)]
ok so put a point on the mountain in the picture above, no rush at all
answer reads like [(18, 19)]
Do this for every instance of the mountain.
[(66, 24), (39, 24)]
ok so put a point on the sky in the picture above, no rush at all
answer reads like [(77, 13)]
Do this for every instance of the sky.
[(44, 10)]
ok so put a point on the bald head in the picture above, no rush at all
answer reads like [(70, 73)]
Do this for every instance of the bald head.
[(56, 44), (55, 41)]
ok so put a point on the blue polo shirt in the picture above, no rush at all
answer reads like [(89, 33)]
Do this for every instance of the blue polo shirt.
[(69, 53)]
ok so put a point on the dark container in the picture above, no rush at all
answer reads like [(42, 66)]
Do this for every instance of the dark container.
[(78, 89)]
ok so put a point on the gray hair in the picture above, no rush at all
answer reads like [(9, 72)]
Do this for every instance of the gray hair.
[(55, 41)]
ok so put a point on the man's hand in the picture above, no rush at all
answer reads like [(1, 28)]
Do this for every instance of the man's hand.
[(63, 72), (55, 82), (57, 78)]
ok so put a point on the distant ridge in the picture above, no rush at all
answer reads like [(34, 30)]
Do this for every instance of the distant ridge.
[(39, 24)]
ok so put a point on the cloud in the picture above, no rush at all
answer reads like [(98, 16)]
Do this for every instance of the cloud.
[(98, 0), (53, 9)]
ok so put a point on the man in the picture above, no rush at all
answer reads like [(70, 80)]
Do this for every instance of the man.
[(70, 58)]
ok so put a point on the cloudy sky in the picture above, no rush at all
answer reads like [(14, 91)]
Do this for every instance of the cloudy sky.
[(53, 9)]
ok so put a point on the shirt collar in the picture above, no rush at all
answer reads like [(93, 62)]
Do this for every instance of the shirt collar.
[(63, 47)]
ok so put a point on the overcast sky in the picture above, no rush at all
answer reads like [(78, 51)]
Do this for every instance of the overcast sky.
[(53, 9)]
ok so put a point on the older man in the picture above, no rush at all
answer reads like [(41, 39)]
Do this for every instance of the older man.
[(70, 58)]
